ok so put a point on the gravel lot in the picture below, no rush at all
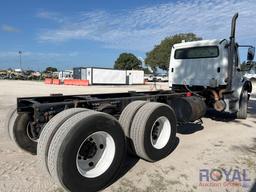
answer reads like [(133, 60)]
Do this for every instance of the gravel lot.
[(220, 142)]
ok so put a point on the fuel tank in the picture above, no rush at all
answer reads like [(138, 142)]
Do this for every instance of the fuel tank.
[(188, 109)]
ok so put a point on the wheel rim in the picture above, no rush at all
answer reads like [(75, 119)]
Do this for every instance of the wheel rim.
[(160, 132), (95, 154), (31, 133)]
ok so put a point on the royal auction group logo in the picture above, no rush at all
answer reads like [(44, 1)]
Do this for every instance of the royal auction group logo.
[(223, 177)]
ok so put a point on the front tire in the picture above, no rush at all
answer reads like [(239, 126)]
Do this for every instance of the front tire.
[(87, 151), (243, 108)]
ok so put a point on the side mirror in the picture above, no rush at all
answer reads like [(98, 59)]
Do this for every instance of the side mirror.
[(251, 53)]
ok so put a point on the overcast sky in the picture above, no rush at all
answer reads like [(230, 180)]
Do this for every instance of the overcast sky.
[(65, 34)]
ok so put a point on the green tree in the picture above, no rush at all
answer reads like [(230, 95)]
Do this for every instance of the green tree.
[(160, 55), (51, 69), (127, 61)]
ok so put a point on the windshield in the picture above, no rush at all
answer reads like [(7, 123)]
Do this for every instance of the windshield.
[(197, 52)]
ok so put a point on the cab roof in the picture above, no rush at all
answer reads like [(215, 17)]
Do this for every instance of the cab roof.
[(199, 43)]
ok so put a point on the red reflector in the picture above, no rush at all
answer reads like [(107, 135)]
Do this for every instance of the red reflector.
[(188, 94)]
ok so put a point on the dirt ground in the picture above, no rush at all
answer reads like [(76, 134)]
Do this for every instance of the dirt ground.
[(221, 143)]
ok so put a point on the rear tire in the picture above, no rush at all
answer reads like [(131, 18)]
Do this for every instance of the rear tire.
[(10, 119), (242, 113), (20, 135), (75, 158), (48, 132), (126, 119), (153, 131), (128, 114)]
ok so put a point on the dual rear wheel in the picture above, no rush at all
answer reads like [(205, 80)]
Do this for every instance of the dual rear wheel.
[(150, 128), (84, 149)]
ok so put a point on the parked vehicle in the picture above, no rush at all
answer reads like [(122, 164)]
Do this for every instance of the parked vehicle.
[(18, 74), (162, 78), (251, 75), (149, 77), (249, 69), (81, 140), (3, 74)]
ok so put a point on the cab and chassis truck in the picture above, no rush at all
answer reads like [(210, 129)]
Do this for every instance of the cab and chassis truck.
[(82, 140)]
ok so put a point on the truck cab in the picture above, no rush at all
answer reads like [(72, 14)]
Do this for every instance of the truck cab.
[(199, 63), (212, 68)]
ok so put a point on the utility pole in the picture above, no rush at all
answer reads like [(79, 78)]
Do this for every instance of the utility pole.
[(20, 53)]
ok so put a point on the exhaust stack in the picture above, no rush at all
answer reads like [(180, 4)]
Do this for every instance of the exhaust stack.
[(232, 49)]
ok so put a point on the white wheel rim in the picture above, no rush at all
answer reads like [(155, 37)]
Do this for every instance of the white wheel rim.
[(95, 154), (160, 132)]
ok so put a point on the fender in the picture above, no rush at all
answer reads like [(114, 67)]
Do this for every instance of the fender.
[(247, 86)]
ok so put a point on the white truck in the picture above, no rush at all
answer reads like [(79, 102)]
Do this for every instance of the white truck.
[(250, 74), (212, 68), (162, 78), (81, 140)]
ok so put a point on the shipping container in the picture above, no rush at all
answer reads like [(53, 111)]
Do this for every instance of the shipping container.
[(107, 76), (135, 77), (79, 73)]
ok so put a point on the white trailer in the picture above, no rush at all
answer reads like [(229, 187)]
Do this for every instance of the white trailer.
[(107, 76), (135, 77), (103, 76)]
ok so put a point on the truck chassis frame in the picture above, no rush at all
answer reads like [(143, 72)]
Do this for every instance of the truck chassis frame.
[(43, 108)]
